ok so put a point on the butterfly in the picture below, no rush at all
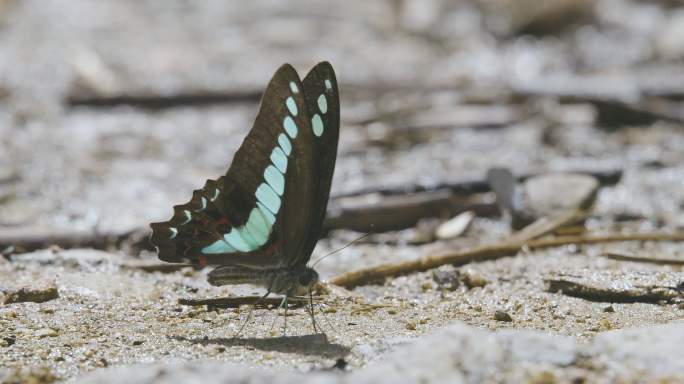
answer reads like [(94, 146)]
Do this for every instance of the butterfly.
[(259, 223)]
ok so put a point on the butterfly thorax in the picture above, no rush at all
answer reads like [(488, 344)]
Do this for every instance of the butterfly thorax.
[(296, 281)]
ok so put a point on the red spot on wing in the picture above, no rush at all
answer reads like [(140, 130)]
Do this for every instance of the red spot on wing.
[(271, 248), (202, 261)]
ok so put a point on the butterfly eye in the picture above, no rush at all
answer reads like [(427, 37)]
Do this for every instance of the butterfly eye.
[(308, 277), (304, 280)]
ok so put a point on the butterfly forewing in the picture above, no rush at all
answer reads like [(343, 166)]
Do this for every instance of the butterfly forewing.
[(322, 102)]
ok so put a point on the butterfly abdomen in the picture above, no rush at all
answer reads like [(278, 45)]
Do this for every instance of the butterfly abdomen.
[(239, 275)]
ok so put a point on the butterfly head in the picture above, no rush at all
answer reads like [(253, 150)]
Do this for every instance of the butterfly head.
[(306, 278)]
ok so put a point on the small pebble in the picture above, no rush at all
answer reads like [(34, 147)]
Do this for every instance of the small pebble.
[(502, 316), (9, 314), (46, 332), (426, 286), (411, 326), (542, 377), (455, 227), (473, 279), (446, 279), (550, 194), (605, 325)]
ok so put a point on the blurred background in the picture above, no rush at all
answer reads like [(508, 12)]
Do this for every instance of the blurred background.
[(113, 111)]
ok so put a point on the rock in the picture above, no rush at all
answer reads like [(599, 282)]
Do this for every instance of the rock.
[(37, 293), (551, 194), (455, 227), (472, 279), (8, 313), (9, 340), (541, 196), (502, 316), (424, 231), (655, 350), (458, 354), (46, 332), (427, 286), (448, 280), (33, 375)]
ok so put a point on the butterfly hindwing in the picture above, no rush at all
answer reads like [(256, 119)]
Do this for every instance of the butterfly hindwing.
[(238, 219), (199, 223)]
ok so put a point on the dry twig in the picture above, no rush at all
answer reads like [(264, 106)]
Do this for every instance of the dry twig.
[(28, 239), (486, 252), (399, 212), (469, 187), (546, 225), (155, 267), (646, 294)]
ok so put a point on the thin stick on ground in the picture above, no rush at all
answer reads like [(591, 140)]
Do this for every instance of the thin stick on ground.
[(548, 224), (642, 259), (635, 294), (236, 302), (486, 252)]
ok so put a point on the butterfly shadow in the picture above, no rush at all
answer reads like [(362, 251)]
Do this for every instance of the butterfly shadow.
[(317, 344)]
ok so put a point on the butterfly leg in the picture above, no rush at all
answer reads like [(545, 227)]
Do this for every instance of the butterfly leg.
[(249, 315), (285, 322), (282, 302), (313, 317), (275, 319)]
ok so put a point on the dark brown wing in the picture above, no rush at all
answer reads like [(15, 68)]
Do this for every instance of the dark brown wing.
[(323, 105), (226, 221)]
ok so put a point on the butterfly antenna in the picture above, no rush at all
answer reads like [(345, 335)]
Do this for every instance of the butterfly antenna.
[(339, 249)]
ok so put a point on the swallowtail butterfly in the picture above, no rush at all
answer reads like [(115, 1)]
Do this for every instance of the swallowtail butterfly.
[(259, 223)]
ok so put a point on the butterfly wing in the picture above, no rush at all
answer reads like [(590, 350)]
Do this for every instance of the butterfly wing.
[(323, 105), (240, 218)]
